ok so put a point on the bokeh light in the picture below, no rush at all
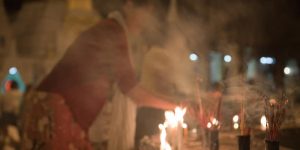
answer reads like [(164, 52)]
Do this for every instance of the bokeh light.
[(193, 57), (227, 58), (13, 70)]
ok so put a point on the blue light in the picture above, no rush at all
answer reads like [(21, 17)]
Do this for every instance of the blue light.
[(13, 70), (267, 60), (193, 57), (227, 58), (262, 60)]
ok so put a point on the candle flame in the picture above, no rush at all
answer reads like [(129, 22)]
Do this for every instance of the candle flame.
[(263, 122), (208, 125), (164, 145), (184, 125), (235, 118), (235, 126), (179, 113), (171, 119), (175, 119), (215, 121), (194, 130)]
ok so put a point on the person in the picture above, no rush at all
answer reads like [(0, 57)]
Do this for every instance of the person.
[(97, 67), (161, 72), (10, 106)]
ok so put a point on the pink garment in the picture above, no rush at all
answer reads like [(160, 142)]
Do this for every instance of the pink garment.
[(84, 77)]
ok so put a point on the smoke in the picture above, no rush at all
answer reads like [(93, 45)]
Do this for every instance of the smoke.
[(193, 26), (167, 68), (238, 91)]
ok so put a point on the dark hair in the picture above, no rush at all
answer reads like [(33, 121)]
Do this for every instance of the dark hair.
[(104, 7), (161, 3)]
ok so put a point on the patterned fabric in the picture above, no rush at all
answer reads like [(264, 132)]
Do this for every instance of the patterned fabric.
[(9, 115), (48, 124)]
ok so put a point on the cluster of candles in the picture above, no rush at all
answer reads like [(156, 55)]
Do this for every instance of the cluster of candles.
[(172, 130), (263, 122), (214, 123), (235, 120)]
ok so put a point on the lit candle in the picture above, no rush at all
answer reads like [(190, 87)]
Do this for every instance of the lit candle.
[(185, 131), (208, 125), (215, 122), (171, 124), (164, 145), (236, 126), (174, 127), (263, 122), (235, 120), (179, 113)]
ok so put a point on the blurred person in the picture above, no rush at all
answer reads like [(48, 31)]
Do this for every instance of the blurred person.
[(12, 98), (9, 127), (97, 67), (166, 69)]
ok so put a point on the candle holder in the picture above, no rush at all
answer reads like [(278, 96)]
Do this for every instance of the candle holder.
[(244, 138), (214, 140), (244, 142), (272, 145), (275, 112), (211, 140)]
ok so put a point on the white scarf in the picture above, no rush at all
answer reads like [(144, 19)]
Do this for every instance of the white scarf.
[(116, 122), (123, 123)]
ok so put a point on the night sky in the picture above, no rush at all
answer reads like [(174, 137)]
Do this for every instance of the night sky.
[(269, 27)]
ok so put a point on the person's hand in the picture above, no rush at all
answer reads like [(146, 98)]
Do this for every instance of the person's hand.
[(191, 107), (184, 104)]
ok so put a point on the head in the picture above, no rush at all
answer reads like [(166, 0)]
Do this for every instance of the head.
[(14, 85), (144, 18), (11, 85), (145, 15)]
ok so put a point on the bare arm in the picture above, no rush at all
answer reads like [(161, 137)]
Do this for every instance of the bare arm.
[(143, 97)]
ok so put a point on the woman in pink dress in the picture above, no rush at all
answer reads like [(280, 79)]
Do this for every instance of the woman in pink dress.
[(59, 112)]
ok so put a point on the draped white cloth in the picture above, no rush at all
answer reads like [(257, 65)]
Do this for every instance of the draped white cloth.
[(122, 130), (116, 122), (123, 123)]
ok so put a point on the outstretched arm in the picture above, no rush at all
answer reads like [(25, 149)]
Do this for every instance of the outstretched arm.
[(143, 97)]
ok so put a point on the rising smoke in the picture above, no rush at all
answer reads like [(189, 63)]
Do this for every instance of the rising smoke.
[(199, 27)]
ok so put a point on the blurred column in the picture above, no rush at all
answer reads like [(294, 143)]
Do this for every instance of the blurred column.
[(291, 78), (231, 68), (36, 29), (79, 16), (7, 42), (250, 64), (251, 70), (215, 66)]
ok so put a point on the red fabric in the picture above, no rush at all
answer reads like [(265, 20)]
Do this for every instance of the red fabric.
[(98, 58), (49, 125)]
